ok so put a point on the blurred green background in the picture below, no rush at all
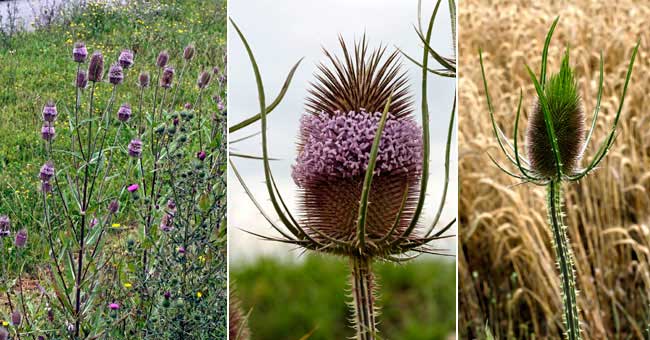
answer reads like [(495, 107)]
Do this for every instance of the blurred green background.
[(290, 299)]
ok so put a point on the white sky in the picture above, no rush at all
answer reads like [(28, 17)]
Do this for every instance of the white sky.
[(282, 31)]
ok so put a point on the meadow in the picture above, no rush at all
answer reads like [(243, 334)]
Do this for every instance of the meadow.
[(507, 272)]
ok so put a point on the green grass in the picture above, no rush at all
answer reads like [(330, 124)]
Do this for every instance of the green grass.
[(289, 300), (36, 67)]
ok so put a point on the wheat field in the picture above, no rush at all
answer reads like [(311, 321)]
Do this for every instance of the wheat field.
[(507, 272)]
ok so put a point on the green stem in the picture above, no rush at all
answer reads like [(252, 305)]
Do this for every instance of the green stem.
[(565, 261), (363, 283)]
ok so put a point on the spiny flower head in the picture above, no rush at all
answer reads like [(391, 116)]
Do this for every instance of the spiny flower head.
[(143, 79), (5, 225), (49, 112), (79, 52), (114, 206), (567, 118), (167, 77), (21, 238), (124, 112), (163, 58), (116, 74), (47, 132), (16, 318), (126, 59), (135, 148), (82, 79), (203, 80), (47, 172), (188, 52), (96, 67)]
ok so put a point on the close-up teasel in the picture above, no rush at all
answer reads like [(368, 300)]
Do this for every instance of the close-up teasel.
[(556, 140), (362, 168)]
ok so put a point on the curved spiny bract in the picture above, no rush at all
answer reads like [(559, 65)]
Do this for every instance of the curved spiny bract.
[(568, 123)]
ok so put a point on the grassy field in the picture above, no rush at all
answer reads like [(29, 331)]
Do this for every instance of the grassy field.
[(290, 300), (508, 277), (36, 68)]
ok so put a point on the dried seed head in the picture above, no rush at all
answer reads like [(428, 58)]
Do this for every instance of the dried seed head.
[(79, 52), (167, 77), (82, 79), (49, 112), (47, 132), (126, 59), (47, 172), (567, 118), (96, 67), (361, 81), (204, 80), (163, 58), (21, 239), (135, 148), (116, 74), (188, 52), (143, 80), (124, 112)]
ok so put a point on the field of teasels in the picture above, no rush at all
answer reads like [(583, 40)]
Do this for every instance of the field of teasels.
[(112, 154), (507, 269)]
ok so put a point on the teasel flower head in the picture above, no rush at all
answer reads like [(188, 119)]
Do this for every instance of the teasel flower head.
[(124, 112), (49, 112), (21, 238), (167, 77), (46, 187), (188, 52), (47, 132), (116, 74), (16, 318), (4, 334), (556, 136), (114, 306), (203, 80), (167, 223), (79, 52), (113, 207), (135, 148), (47, 172), (126, 59), (82, 79), (143, 79), (5, 226), (96, 67), (163, 58)]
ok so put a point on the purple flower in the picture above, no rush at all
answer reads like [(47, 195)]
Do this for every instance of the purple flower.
[(162, 59), (221, 106), (47, 171), (124, 113), (188, 106), (46, 187), (216, 70), (167, 77), (204, 80), (4, 335), (49, 112), (21, 238), (47, 132), (135, 148), (167, 223), (143, 80), (115, 74), (176, 121), (16, 318), (126, 58), (93, 222), (5, 224), (114, 306), (79, 52), (181, 250), (113, 206), (96, 67), (82, 79), (133, 188), (171, 205), (188, 52), (167, 295), (201, 155)]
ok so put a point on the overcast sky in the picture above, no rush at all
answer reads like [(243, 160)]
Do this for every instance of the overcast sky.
[(282, 31)]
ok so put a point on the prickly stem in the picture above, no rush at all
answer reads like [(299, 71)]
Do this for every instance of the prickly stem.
[(564, 261), (363, 295)]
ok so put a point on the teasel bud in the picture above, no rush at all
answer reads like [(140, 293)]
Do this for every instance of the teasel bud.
[(204, 80), (135, 148), (568, 121), (16, 318), (79, 52), (96, 67), (47, 171), (47, 132), (82, 79), (5, 225), (124, 113), (167, 77), (143, 80), (126, 59), (113, 207), (237, 322), (21, 238), (188, 52), (115, 74), (163, 58), (49, 112)]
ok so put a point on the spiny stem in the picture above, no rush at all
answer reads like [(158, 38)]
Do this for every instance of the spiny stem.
[(564, 261), (363, 283)]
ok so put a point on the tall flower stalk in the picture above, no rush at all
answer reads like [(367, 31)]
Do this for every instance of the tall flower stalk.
[(362, 168), (557, 138)]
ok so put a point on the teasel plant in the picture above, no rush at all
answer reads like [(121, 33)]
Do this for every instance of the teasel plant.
[(362, 169), (556, 140)]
